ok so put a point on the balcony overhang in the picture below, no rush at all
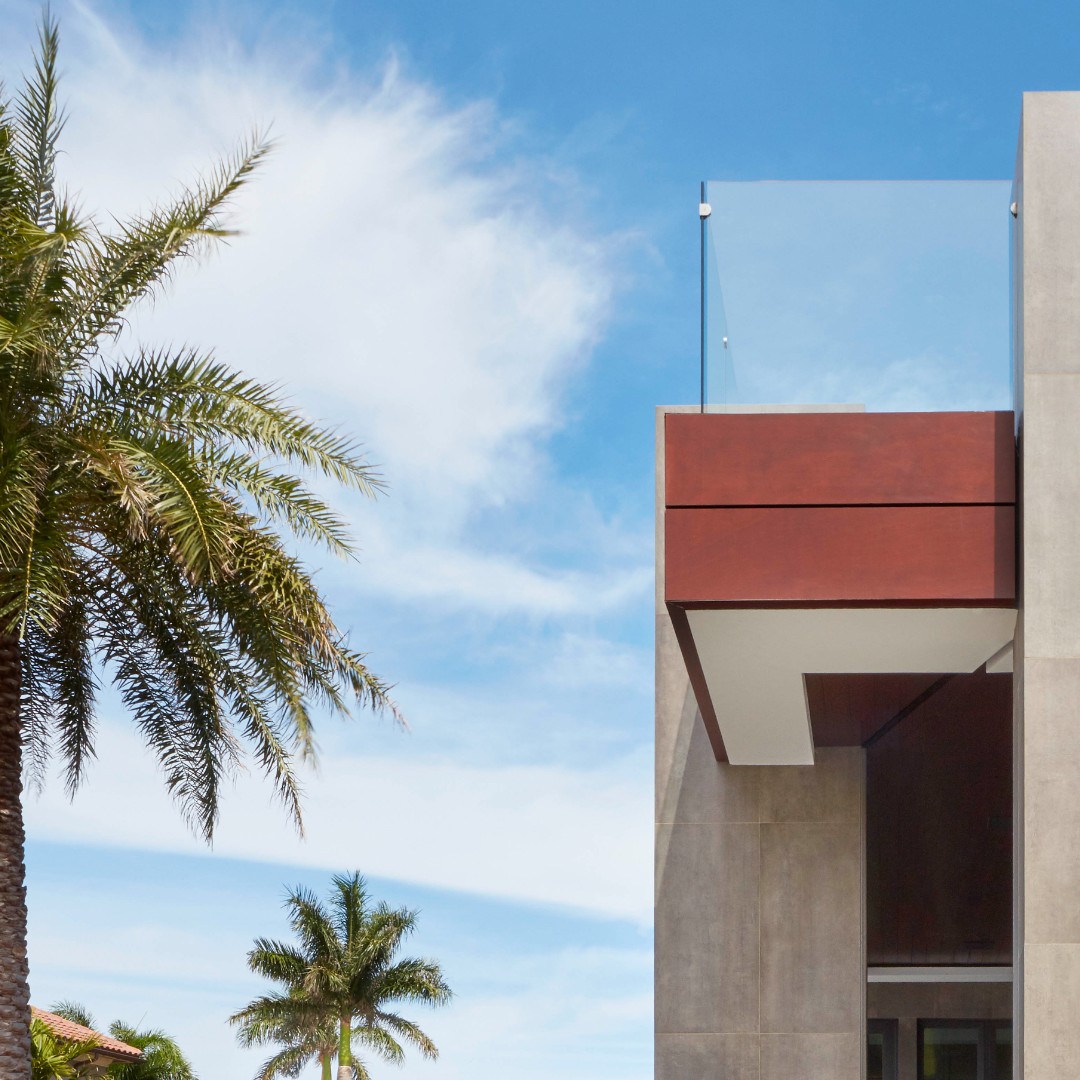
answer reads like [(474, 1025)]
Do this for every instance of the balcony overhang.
[(818, 543)]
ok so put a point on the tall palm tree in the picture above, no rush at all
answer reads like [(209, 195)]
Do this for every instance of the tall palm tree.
[(143, 498), (344, 968)]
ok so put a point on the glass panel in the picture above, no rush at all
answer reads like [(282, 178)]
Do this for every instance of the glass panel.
[(881, 1050), (890, 294), (875, 1056), (718, 376), (1003, 1052), (950, 1052)]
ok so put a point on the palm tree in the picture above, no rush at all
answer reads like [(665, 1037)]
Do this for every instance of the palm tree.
[(143, 499), (74, 1011), (162, 1058), (345, 969)]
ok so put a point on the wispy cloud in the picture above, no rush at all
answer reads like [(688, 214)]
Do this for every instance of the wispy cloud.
[(577, 838), (402, 269), (496, 583)]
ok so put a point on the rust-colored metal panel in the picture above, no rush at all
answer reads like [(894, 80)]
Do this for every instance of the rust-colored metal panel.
[(842, 554), (839, 459), (939, 830), (846, 710), (688, 647)]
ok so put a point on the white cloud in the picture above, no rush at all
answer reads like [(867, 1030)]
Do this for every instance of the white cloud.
[(578, 838), (581, 1012), (495, 584), (397, 270), (586, 661)]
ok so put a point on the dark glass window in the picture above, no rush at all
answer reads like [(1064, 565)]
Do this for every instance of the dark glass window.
[(881, 1050), (965, 1050), (1003, 1052)]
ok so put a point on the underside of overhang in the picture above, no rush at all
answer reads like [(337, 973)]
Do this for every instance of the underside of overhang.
[(749, 666)]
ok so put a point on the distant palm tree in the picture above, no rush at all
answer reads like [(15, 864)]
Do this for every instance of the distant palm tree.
[(74, 1011), (344, 968), (300, 1031), (162, 1058), (142, 500)]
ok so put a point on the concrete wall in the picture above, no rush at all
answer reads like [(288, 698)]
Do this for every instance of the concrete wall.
[(1047, 712), (760, 893)]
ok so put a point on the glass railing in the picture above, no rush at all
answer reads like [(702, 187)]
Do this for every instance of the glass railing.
[(893, 294)]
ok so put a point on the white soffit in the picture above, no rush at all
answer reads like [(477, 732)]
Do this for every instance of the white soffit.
[(754, 661)]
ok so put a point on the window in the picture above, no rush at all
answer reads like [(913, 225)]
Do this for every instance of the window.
[(965, 1050), (881, 1050)]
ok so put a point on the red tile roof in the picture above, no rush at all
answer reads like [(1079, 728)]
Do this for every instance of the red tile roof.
[(66, 1029)]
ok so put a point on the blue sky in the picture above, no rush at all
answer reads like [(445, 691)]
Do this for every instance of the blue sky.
[(476, 246)]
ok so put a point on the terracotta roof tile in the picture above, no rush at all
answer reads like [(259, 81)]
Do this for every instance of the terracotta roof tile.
[(66, 1029)]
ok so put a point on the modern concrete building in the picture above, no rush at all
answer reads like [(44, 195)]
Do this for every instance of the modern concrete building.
[(868, 710)]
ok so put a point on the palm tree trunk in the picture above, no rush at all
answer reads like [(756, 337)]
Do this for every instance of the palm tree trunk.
[(325, 1061), (344, 1056), (14, 972)]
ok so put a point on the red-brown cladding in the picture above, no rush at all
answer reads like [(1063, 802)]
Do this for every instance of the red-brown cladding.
[(848, 508), (857, 554), (839, 459)]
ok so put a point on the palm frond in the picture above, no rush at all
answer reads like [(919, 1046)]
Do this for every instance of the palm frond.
[(374, 1036), (189, 395), (116, 270), (74, 1011), (38, 122), (289, 1062), (407, 1030)]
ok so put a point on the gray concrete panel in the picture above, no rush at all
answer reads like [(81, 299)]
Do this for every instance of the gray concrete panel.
[(829, 790), (1052, 1011), (706, 931), (714, 791), (812, 949), (811, 1057), (707, 1057), (1052, 808), (673, 697), (1050, 149), (1051, 514)]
